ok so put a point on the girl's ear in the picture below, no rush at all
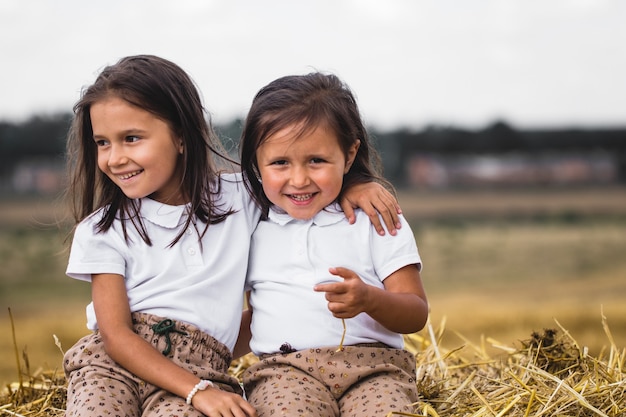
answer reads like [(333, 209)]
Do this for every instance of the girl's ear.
[(180, 146), (352, 151)]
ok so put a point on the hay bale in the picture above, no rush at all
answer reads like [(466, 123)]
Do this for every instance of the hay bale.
[(548, 375)]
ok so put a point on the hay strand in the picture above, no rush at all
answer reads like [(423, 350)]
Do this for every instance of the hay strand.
[(16, 350)]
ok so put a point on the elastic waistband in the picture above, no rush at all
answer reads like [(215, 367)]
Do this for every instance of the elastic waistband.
[(143, 325), (373, 345), (378, 345)]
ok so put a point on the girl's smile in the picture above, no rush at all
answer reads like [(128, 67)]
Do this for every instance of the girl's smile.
[(302, 197), (127, 176), (303, 172), (137, 151)]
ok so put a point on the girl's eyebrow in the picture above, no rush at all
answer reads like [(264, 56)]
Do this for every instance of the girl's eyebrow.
[(126, 132), (132, 130)]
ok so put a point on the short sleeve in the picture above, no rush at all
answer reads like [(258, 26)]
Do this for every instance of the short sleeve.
[(233, 189), (390, 253), (95, 252)]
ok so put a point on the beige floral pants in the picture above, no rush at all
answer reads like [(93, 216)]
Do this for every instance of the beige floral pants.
[(359, 381), (97, 386)]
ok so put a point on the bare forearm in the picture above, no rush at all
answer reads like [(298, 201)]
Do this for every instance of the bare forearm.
[(398, 312), (140, 358)]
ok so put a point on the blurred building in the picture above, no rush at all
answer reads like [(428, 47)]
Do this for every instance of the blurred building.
[(440, 171)]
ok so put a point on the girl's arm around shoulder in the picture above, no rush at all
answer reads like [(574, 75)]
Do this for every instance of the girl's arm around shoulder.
[(139, 357)]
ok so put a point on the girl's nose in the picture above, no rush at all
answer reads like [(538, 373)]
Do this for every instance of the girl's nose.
[(299, 177), (116, 156)]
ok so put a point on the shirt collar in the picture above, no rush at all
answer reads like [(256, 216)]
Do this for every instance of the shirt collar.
[(330, 215), (162, 214)]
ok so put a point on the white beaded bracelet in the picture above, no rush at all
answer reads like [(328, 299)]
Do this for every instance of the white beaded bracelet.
[(200, 386)]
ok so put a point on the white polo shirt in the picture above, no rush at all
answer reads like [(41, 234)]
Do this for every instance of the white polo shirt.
[(288, 257), (200, 285)]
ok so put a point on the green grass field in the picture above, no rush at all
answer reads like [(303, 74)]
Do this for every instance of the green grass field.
[(498, 265)]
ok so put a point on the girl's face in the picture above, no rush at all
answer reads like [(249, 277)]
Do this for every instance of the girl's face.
[(303, 174), (137, 151)]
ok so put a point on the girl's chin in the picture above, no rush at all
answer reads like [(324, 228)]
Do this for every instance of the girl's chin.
[(302, 214)]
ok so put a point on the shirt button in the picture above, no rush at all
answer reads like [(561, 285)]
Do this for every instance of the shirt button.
[(188, 231), (191, 251)]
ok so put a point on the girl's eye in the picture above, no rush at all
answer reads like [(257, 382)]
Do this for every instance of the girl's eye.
[(279, 162), (317, 161), (101, 142), (132, 139)]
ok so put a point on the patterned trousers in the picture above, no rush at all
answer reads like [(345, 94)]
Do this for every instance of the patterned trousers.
[(360, 381), (97, 386)]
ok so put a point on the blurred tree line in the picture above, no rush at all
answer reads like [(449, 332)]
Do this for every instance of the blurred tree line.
[(43, 138), (39, 137), (502, 139)]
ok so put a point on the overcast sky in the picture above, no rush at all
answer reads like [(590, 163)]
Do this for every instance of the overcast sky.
[(410, 63)]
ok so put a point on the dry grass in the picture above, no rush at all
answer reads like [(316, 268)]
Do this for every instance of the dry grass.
[(38, 394), (548, 374)]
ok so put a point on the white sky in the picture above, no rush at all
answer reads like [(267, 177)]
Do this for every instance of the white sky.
[(411, 63)]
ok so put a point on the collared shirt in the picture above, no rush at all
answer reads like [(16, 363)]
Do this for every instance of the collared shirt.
[(200, 283), (289, 257)]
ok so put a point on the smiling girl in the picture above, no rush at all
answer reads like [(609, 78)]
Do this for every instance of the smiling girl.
[(311, 274)]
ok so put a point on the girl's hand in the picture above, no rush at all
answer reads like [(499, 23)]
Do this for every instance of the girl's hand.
[(348, 297), (401, 306), (214, 402), (373, 199)]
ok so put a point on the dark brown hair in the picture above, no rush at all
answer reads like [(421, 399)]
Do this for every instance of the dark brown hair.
[(165, 90), (308, 101)]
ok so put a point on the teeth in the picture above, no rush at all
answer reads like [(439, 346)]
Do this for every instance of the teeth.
[(129, 175), (301, 197)]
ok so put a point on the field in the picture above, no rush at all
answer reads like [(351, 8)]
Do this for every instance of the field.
[(497, 265)]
